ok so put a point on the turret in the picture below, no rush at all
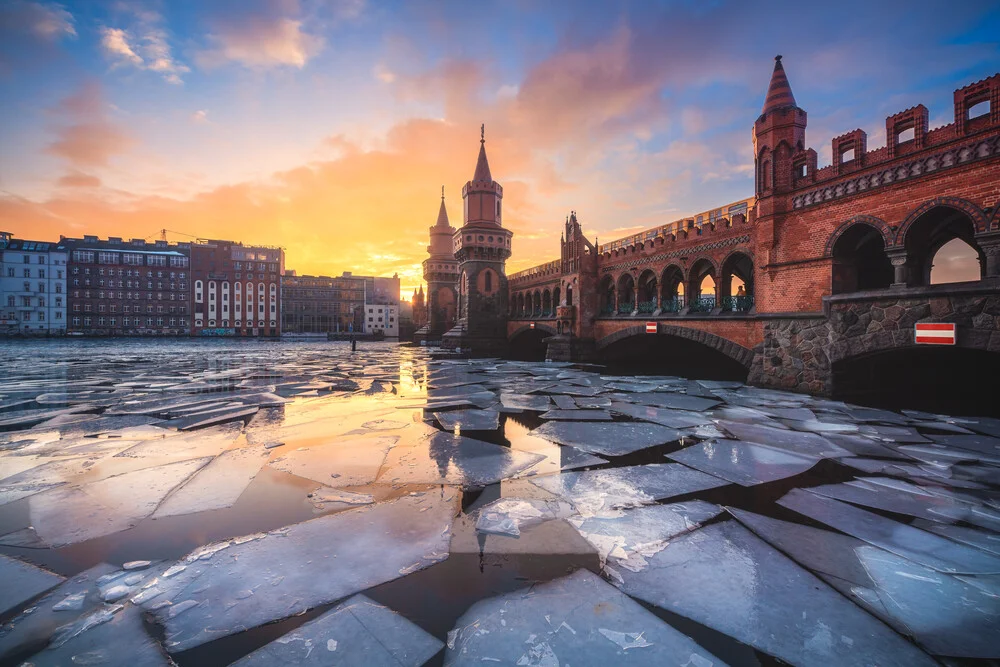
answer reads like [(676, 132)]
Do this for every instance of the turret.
[(779, 132)]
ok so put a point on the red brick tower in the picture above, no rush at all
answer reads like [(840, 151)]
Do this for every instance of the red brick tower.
[(441, 274), (779, 139), (481, 247)]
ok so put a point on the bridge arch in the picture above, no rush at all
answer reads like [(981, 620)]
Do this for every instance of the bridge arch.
[(702, 268), (647, 292), (935, 224), (734, 351), (672, 289), (975, 214), (546, 302), (860, 262), (626, 293), (737, 267), (607, 295), (995, 219), (888, 236)]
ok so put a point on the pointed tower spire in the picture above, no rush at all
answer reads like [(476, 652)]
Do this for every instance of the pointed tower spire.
[(779, 92), (442, 220), (483, 165)]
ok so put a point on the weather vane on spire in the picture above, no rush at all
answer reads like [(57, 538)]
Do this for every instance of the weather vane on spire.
[(482, 133), (442, 193)]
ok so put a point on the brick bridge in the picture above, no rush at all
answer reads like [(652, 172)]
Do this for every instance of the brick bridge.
[(821, 268)]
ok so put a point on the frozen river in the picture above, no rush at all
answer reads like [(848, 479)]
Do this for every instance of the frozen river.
[(212, 502)]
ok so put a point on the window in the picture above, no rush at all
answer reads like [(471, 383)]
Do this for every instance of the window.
[(27, 259), (979, 109), (847, 155), (27, 273), (58, 314), (10, 301), (41, 272), (906, 135), (10, 272), (41, 259), (58, 288), (489, 281), (41, 317)]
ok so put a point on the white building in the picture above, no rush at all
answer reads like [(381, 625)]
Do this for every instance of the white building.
[(382, 317), (32, 287)]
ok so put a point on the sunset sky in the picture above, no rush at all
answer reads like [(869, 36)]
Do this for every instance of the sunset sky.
[(329, 126)]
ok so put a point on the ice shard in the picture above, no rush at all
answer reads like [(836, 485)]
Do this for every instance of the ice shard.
[(745, 463), (341, 462), (808, 444), (506, 516), (730, 580), (469, 420), (22, 581), (357, 631), (219, 484), (928, 549), (574, 620), (614, 439), (231, 586)]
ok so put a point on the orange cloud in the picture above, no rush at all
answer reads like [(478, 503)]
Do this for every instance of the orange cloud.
[(262, 42), (88, 138), (77, 179)]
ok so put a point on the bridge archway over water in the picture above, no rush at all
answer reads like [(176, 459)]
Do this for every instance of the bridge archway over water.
[(938, 379), (676, 351), (528, 344)]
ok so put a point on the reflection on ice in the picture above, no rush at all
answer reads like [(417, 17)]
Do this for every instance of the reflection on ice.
[(745, 463)]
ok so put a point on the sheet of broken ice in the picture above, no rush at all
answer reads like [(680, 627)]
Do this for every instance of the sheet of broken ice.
[(469, 420), (574, 620), (905, 498), (577, 414), (614, 439), (22, 581), (341, 462), (112, 635), (598, 492), (674, 401), (444, 458), (217, 485), (75, 598), (536, 402), (808, 444), (70, 514), (725, 577), (829, 555), (357, 631), (918, 545), (945, 455), (745, 463), (626, 541), (986, 540), (230, 586), (662, 416), (983, 444), (946, 615), (506, 516)]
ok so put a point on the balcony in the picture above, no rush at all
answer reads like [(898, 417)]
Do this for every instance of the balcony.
[(647, 307), (702, 304), (737, 304), (626, 308), (674, 305)]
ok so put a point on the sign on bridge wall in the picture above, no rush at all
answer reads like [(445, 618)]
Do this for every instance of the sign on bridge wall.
[(933, 333)]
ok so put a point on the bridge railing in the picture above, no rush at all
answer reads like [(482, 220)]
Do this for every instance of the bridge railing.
[(674, 305), (608, 309), (647, 306), (626, 308), (702, 304), (737, 304)]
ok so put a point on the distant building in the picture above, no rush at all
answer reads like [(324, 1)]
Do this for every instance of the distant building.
[(128, 288), (236, 288), (324, 304), (382, 318), (406, 327), (419, 307), (386, 290), (32, 287)]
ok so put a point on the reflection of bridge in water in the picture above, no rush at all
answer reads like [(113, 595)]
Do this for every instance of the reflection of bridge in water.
[(823, 267)]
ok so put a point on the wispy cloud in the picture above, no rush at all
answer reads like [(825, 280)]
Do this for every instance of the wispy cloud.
[(262, 42), (143, 45), (87, 137)]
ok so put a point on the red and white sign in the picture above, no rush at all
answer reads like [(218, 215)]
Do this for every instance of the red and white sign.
[(651, 327), (531, 325), (932, 333)]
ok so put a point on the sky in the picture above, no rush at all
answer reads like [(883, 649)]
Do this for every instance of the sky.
[(328, 127)]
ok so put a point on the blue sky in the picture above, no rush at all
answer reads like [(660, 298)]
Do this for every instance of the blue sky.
[(329, 126)]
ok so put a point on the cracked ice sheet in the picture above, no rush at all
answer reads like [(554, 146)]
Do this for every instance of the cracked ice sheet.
[(615, 439), (230, 586), (919, 546), (76, 597), (946, 615), (903, 498), (22, 581), (443, 458), (355, 632), (725, 577), (745, 463), (506, 516), (217, 485), (662, 416), (639, 533), (469, 420), (67, 515), (352, 462), (985, 540), (807, 444), (577, 619), (598, 492), (116, 638)]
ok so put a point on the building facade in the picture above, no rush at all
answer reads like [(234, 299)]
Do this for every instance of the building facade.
[(128, 288), (330, 304), (382, 319), (236, 289), (481, 248), (33, 297)]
